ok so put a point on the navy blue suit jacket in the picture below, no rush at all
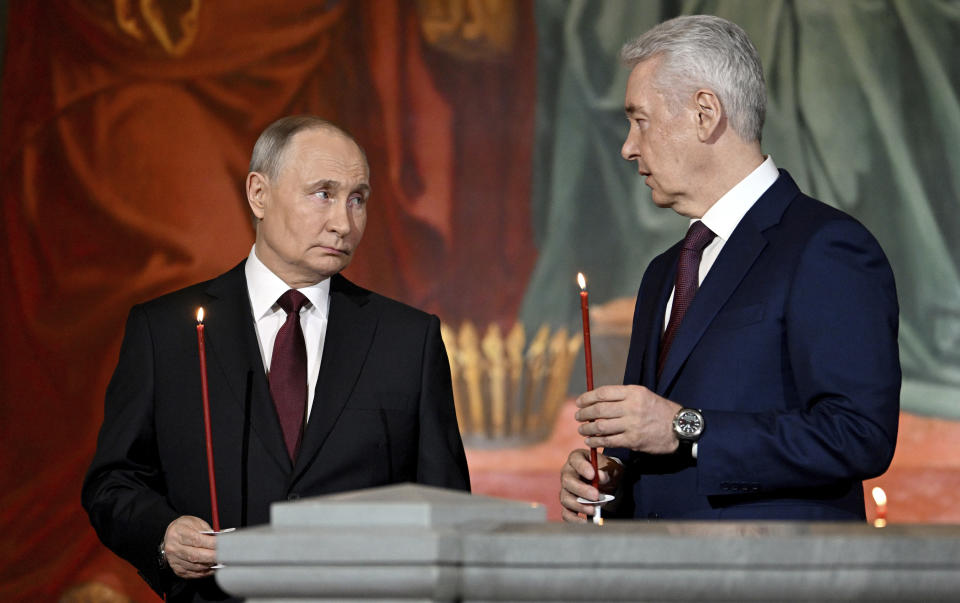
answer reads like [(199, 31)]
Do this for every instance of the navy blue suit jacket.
[(790, 350)]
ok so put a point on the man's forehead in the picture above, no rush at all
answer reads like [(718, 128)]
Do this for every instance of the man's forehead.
[(331, 149), (641, 87)]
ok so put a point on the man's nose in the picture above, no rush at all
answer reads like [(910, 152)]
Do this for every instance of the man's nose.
[(339, 218), (629, 149)]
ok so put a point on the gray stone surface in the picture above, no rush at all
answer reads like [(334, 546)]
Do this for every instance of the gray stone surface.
[(402, 504), (412, 543)]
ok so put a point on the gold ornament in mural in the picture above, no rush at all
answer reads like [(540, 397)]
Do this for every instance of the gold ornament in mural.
[(172, 25), (508, 392), (469, 30)]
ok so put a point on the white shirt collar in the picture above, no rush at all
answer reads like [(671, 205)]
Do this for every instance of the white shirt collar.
[(265, 289), (722, 218)]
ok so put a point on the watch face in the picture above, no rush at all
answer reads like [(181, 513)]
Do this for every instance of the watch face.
[(689, 424)]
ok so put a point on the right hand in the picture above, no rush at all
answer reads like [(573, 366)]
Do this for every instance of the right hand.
[(575, 480), (189, 553)]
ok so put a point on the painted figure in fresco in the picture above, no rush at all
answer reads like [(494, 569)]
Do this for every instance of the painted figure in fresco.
[(763, 376), (372, 401)]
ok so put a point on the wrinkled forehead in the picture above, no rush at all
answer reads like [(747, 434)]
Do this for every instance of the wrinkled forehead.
[(327, 148)]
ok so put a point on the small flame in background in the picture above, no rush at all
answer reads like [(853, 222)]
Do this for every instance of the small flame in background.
[(200, 314), (582, 281), (880, 498)]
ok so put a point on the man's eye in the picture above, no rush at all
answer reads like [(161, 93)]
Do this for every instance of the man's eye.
[(322, 195), (357, 200)]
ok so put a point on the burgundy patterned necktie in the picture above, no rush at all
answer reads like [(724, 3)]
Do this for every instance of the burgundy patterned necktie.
[(288, 372), (686, 285)]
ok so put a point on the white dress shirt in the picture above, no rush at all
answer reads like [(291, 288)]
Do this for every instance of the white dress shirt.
[(265, 288), (724, 216)]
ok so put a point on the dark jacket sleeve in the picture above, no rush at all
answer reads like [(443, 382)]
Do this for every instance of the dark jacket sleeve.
[(124, 491), (441, 459)]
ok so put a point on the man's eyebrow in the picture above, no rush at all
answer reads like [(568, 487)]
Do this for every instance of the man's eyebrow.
[(363, 187), (325, 183), (632, 109)]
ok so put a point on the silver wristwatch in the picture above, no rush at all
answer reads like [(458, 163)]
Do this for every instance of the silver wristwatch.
[(688, 425)]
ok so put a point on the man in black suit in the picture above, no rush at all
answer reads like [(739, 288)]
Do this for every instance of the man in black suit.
[(368, 404)]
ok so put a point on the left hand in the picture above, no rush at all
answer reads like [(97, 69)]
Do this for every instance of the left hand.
[(627, 416)]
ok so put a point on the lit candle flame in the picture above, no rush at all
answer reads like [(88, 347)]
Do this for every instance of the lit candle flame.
[(879, 496), (582, 281), (200, 315)]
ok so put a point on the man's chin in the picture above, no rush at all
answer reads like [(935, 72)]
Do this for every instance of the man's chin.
[(659, 200), (333, 265)]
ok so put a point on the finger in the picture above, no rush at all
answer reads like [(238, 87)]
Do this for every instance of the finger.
[(571, 517), (604, 393), (201, 556), (574, 486), (603, 427), (609, 441), (191, 537), (188, 566), (200, 525), (609, 476), (608, 409), (191, 562), (569, 502), (579, 465), (201, 541), (191, 574)]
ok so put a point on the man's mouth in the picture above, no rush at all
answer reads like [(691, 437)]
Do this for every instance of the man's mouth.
[(335, 250)]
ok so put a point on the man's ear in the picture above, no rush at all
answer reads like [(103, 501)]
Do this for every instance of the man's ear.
[(257, 193), (711, 119)]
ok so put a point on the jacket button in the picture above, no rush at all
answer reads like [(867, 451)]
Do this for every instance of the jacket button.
[(293, 496)]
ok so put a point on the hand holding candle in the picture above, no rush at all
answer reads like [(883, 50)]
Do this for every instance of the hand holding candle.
[(201, 345)]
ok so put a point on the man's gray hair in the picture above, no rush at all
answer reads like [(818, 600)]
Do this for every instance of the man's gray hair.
[(703, 51), (267, 156)]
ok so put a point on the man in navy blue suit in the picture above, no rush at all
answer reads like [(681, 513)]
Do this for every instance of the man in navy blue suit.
[(763, 377)]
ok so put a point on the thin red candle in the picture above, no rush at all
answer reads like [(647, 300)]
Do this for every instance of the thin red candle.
[(201, 345), (588, 358)]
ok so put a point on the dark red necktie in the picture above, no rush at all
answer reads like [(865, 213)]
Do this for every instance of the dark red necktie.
[(288, 372), (686, 284)]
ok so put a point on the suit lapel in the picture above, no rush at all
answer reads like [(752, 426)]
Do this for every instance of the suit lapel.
[(232, 340), (735, 259), (664, 285), (351, 325)]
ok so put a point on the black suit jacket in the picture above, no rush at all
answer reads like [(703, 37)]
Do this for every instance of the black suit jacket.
[(383, 413), (790, 350)]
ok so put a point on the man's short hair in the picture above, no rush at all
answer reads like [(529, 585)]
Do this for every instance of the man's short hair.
[(704, 51), (267, 156)]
